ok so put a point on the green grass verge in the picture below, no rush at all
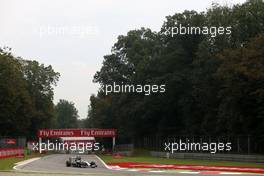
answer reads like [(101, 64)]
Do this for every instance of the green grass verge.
[(9, 163), (144, 157)]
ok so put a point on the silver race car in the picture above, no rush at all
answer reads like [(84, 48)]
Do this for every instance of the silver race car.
[(78, 162)]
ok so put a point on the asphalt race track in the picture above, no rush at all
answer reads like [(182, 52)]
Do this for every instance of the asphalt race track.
[(54, 165)]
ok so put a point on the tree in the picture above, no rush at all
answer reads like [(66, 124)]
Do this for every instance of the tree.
[(214, 85), (15, 101), (241, 110), (40, 80), (66, 114), (26, 95)]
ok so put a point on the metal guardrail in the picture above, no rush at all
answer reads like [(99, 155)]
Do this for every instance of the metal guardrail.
[(206, 156), (11, 152), (243, 144)]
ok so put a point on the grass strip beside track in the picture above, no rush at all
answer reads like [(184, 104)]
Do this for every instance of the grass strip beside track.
[(144, 157), (9, 163)]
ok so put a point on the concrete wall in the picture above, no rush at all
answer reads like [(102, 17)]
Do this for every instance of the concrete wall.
[(206, 156)]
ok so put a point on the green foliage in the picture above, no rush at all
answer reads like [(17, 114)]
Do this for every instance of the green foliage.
[(214, 85), (242, 93), (15, 101), (66, 115), (26, 95)]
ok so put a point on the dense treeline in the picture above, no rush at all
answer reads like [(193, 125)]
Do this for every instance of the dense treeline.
[(26, 95), (26, 98), (214, 85), (66, 115)]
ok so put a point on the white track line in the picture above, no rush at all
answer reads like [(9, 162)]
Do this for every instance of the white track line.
[(21, 163), (186, 172), (156, 171), (183, 172), (230, 173), (103, 162)]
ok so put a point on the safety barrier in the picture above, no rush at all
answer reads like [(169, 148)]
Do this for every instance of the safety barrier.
[(11, 152), (209, 156)]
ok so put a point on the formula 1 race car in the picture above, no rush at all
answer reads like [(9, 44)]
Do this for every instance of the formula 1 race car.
[(78, 162)]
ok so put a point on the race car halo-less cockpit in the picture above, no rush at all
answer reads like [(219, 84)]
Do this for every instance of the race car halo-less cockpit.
[(78, 162)]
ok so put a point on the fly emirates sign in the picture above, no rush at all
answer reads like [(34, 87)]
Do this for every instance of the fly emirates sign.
[(55, 133)]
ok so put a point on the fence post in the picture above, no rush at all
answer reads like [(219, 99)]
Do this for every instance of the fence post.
[(238, 147), (248, 144), (201, 142)]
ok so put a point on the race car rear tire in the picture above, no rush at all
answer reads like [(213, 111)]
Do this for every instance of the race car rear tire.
[(68, 164)]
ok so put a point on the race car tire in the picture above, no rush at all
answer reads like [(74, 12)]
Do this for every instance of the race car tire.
[(93, 166), (68, 164)]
